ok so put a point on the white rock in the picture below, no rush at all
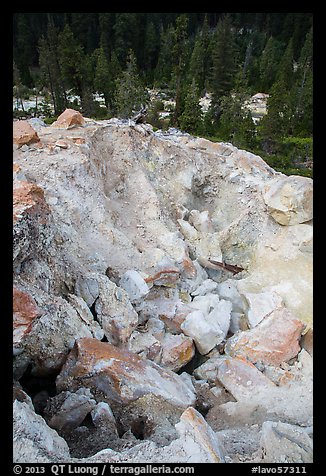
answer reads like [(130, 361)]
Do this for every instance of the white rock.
[(33, 440), (201, 221), (260, 305), (290, 199), (188, 231), (207, 287), (221, 315), (285, 443), (205, 303), (203, 333), (134, 285), (115, 312), (228, 290)]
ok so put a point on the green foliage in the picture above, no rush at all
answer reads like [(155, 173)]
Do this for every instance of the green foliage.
[(235, 124), (131, 94), (153, 116), (191, 118), (224, 60), (269, 62)]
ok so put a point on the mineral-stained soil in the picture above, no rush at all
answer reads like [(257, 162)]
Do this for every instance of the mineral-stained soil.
[(162, 299)]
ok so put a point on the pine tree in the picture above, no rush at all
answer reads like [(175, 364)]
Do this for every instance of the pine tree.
[(150, 47), (179, 53), (269, 64), (285, 68), (275, 124), (71, 58), (50, 67), (131, 95), (163, 70), (224, 60), (102, 75), (302, 91), (199, 61), (191, 118), (236, 124), (17, 87)]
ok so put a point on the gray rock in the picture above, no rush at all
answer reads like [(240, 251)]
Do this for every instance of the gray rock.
[(285, 443), (134, 285), (33, 440), (67, 410)]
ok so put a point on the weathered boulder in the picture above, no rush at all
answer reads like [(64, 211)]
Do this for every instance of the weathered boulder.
[(87, 288), (52, 335), (114, 311), (134, 285), (31, 232), (285, 443), (146, 345), (177, 351), (68, 119), (272, 341), (23, 133), (25, 310), (120, 376), (290, 199), (207, 287), (67, 410), (242, 379), (205, 335), (33, 440), (197, 441), (259, 305)]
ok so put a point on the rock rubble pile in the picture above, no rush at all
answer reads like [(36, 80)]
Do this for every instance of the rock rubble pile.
[(162, 299)]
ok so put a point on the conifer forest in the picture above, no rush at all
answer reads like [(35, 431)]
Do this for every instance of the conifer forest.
[(192, 71)]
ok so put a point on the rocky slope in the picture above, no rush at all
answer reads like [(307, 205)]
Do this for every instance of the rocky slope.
[(132, 342)]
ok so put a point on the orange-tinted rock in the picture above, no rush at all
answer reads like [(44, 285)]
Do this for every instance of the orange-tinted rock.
[(272, 341), (198, 438), (241, 378), (177, 351), (29, 197), (23, 133), (120, 376), (173, 314), (62, 144), (69, 118), (165, 276), (78, 140), (16, 168), (25, 310)]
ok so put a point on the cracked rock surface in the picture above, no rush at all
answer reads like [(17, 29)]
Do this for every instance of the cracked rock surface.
[(162, 299)]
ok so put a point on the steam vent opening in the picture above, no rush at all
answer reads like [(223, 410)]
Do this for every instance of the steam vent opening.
[(165, 314)]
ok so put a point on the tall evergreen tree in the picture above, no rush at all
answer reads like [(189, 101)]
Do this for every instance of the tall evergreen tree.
[(224, 60), (50, 67), (179, 52), (131, 94), (269, 63), (286, 66), (199, 61), (102, 75), (164, 65), (302, 91), (275, 124), (151, 46), (191, 117)]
